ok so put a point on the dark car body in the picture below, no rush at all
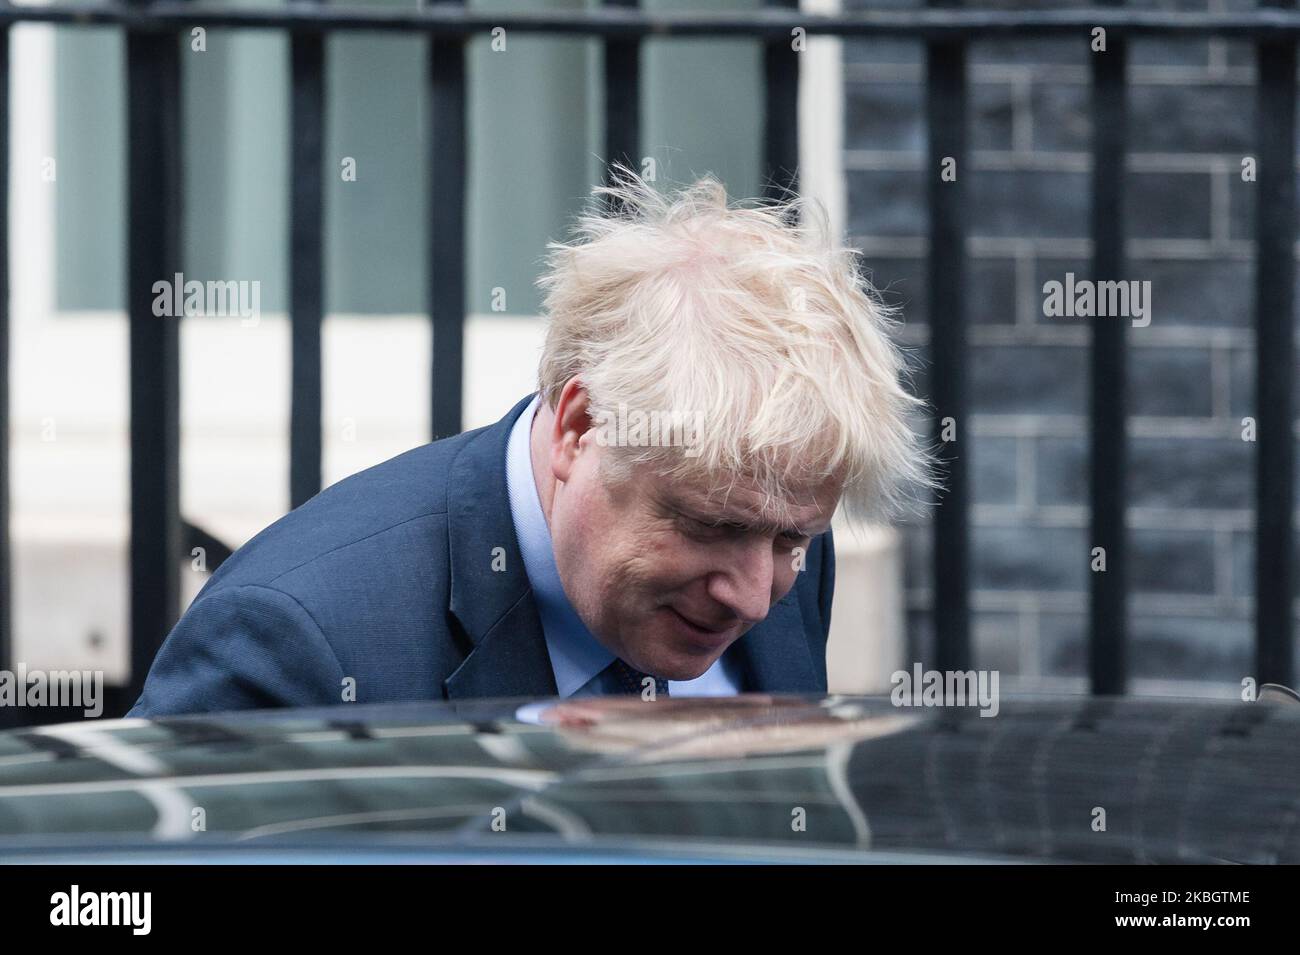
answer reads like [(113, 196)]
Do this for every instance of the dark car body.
[(750, 778)]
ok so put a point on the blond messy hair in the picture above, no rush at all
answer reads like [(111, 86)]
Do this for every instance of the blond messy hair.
[(748, 313)]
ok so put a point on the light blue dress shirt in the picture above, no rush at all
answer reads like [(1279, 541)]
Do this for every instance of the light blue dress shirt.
[(578, 659)]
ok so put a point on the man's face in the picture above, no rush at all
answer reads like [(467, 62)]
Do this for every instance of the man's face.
[(665, 575)]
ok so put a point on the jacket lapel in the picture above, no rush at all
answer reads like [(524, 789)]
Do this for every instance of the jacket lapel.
[(495, 608), (775, 652)]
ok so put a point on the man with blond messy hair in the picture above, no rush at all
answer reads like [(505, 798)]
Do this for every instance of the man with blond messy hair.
[(717, 379)]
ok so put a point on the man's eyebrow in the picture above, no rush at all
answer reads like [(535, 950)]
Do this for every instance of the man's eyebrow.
[(743, 524)]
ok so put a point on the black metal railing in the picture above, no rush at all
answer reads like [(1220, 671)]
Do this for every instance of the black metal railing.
[(158, 533)]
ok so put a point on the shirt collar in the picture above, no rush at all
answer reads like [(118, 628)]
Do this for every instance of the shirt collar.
[(576, 655)]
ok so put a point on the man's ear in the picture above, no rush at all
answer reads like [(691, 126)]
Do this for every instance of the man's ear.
[(571, 422)]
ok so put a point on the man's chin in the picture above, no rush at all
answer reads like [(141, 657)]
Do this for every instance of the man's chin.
[(676, 653), (688, 661)]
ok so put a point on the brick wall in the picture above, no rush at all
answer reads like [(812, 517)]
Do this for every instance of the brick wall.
[(1189, 218)]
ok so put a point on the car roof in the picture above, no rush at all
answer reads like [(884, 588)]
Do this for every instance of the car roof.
[(749, 778)]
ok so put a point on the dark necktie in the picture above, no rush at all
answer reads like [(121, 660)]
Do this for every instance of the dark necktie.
[(630, 680)]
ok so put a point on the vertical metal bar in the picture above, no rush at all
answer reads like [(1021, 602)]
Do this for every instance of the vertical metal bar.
[(1108, 449), (447, 182), (781, 112), (153, 241), (6, 570), (622, 98), (1275, 357), (306, 261), (946, 174)]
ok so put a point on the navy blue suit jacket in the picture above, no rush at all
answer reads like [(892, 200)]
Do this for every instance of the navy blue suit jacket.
[(387, 578)]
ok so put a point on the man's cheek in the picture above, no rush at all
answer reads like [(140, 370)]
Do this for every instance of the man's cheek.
[(689, 558), (784, 577)]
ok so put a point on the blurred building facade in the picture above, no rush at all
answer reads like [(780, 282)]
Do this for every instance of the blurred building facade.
[(1190, 221)]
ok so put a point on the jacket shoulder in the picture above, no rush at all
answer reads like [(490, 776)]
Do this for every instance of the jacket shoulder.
[(384, 498)]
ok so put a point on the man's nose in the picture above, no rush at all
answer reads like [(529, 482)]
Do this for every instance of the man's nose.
[(745, 586)]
